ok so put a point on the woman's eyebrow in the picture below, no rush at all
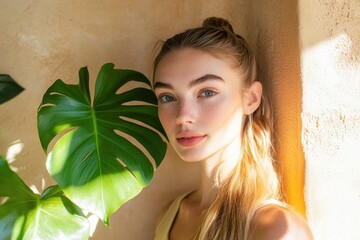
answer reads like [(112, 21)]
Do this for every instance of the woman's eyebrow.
[(193, 83), (204, 79), (162, 85)]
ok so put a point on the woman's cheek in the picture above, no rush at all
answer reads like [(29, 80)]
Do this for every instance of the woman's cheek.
[(165, 117), (161, 116), (216, 109), (219, 112)]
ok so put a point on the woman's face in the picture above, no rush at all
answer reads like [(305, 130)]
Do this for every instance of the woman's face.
[(200, 102)]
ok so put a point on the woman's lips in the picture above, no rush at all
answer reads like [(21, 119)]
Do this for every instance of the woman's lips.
[(186, 139)]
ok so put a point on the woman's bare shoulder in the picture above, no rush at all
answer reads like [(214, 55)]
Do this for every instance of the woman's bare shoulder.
[(276, 222)]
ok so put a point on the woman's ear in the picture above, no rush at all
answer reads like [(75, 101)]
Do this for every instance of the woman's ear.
[(252, 97)]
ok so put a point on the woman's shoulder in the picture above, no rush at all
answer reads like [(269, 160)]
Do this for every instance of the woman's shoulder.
[(278, 222)]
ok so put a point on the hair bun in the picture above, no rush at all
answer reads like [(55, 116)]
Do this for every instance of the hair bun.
[(217, 23)]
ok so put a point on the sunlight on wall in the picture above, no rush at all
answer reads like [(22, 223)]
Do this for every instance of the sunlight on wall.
[(331, 76), (15, 148), (331, 138)]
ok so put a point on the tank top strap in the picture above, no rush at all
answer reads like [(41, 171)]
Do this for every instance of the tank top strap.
[(164, 227)]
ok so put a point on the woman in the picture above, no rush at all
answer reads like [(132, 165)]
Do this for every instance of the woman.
[(214, 111)]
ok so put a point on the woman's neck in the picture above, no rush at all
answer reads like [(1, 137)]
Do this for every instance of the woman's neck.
[(214, 171)]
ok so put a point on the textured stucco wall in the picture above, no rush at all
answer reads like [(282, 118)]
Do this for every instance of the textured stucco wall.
[(42, 41), (330, 64)]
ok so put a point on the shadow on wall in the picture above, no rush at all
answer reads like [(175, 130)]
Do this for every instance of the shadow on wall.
[(273, 31)]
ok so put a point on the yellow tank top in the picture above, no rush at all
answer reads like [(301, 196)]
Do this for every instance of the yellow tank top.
[(164, 227)]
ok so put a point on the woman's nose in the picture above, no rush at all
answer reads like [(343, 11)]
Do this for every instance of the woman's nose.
[(185, 113)]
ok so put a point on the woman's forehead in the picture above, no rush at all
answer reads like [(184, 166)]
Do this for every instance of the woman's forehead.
[(189, 63)]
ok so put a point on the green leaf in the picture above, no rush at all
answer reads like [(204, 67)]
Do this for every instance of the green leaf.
[(26, 215), (8, 88), (97, 158), (9, 179)]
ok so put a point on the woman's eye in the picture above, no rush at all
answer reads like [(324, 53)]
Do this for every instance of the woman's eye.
[(166, 98), (207, 93)]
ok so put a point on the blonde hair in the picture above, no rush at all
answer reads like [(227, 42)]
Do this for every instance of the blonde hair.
[(254, 178)]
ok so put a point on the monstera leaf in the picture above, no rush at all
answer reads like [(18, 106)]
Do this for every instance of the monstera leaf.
[(8, 88), (103, 152), (26, 215)]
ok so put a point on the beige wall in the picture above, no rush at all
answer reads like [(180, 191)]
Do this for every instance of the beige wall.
[(306, 71), (42, 41), (330, 69)]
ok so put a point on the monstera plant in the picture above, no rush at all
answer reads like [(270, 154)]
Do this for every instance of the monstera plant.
[(8, 88), (101, 152), (26, 215)]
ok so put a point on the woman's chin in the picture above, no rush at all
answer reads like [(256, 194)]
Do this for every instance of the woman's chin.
[(191, 155)]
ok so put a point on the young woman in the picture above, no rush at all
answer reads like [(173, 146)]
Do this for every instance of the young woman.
[(213, 110)]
